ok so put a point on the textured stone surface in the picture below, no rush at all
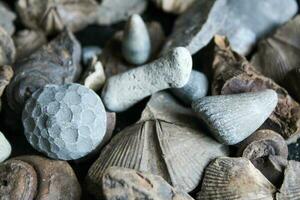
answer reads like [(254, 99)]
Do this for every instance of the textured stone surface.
[(136, 45), (232, 118), (65, 122), (5, 148), (7, 18), (170, 71), (128, 184), (204, 19), (196, 87)]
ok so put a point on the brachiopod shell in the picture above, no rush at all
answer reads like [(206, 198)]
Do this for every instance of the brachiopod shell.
[(166, 141), (136, 45), (170, 71), (236, 179), (232, 118), (64, 122)]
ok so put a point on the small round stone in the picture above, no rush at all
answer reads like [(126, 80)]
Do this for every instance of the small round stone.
[(59, 117)]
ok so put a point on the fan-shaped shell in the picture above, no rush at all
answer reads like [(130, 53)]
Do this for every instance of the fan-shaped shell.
[(232, 179), (164, 142)]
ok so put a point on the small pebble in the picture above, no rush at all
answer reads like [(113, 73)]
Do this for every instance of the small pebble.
[(65, 122), (136, 45), (5, 148), (196, 87), (170, 71)]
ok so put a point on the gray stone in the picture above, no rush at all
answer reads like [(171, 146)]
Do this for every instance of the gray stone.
[(170, 71), (5, 148), (232, 118), (136, 45), (64, 122), (206, 18), (7, 18), (196, 88)]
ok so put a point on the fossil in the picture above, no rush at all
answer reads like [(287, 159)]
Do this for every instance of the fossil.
[(5, 148), (7, 18), (7, 48)]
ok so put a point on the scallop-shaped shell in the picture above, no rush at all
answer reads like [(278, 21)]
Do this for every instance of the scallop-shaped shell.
[(232, 118), (165, 142), (290, 189), (234, 179)]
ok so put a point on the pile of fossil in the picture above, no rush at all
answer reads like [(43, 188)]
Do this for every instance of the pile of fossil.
[(149, 100)]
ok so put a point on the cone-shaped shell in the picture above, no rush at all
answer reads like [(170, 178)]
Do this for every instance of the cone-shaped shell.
[(165, 142), (128, 184), (5, 148), (232, 118), (136, 45), (196, 88), (290, 189), (234, 179)]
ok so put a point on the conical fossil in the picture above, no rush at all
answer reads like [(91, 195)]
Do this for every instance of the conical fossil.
[(290, 189), (136, 44), (55, 63), (128, 184), (166, 141), (279, 54), (232, 118), (234, 179), (233, 74)]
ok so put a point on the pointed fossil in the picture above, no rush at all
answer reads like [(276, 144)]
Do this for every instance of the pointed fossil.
[(291, 183), (113, 11), (166, 141), (171, 70), (204, 19), (173, 6), (234, 178), (112, 58), (7, 48), (52, 16), (278, 54), (128, 184), (136, 44), (232, 74), (258, 148), (196, 87), (232, 118), (5, 148), (7, 18), (55, 63)]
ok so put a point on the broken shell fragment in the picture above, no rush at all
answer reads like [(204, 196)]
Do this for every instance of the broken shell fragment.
[(232, 118), (170, 71), (291, 185), (234, 74), (136, 45), (7, 18), (55, 63), (28, 41), (196, 88), (166, 141), (64, 122), (5, 148), (278, 54), (173, 6), (234, 178), (204, 19), (18, 180), (113, 11), (54, 16), (56, 179), (7, 48), (128, 184), (94, 77)]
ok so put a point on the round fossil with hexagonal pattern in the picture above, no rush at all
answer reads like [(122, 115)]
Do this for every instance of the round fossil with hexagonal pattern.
[(65, 122)]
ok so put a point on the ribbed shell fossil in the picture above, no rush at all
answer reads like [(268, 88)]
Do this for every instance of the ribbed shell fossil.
[(278, 54), (54, 15), (233, 74), (234, 179), (55, 63), (166, 141), (232, 118), (290, 189)]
